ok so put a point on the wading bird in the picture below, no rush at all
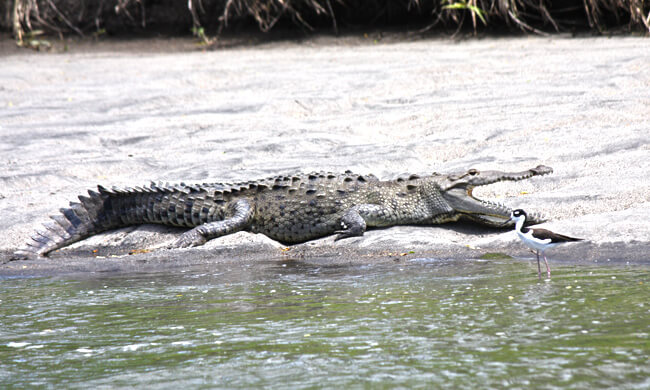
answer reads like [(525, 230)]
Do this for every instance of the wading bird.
[(538, 239)]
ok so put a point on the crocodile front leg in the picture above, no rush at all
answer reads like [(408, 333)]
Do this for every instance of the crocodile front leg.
[(241, 217), (357, 218)]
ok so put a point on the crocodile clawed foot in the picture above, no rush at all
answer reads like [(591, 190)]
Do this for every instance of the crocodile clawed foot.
[(25, 255), (352, 231), (188, 239)]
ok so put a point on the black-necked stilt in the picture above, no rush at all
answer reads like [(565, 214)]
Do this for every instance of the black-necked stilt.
[(538, 239)]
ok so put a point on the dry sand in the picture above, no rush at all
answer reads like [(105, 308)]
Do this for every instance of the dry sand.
[(125, 113)]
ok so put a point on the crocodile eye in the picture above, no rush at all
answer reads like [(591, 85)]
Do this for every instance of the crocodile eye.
[(473, 172)]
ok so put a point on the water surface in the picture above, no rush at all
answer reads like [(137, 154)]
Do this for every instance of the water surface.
[(414, 324)]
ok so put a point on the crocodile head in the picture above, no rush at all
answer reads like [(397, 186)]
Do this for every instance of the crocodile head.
[(457, 191)]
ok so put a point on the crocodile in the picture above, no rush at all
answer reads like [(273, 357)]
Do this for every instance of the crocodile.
[(290, 209)]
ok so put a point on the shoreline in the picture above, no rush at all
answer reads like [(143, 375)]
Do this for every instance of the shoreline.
[(255, 250)]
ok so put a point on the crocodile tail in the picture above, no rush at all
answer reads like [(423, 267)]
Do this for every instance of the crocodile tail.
[(92, 214)]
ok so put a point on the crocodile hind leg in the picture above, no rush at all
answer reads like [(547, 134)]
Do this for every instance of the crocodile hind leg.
[(357, 218), (241, 215)]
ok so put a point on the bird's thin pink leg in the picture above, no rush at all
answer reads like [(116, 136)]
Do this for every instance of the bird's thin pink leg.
[(539, 268), (548, 269)]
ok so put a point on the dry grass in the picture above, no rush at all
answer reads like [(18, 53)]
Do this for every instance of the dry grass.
[(26, 18)]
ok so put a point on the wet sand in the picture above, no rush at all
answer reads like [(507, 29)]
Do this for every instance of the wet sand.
[(125, 113)]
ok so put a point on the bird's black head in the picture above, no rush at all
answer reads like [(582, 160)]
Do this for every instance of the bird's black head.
[(519, 213)]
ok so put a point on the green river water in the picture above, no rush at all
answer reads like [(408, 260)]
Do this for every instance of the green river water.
[(420, 323)]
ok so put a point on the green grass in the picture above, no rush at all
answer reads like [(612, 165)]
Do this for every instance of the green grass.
[(61, 17)]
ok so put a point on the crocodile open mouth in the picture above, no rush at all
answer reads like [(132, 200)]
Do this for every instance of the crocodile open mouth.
[(461, 198), (485, 211)]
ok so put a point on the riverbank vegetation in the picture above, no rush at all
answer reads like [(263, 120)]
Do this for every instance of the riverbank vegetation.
[(205, 18)]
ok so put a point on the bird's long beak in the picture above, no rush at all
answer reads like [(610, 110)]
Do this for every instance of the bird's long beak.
[(506, 222)]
